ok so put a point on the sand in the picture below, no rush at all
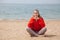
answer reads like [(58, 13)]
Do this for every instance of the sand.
[(15, 30)]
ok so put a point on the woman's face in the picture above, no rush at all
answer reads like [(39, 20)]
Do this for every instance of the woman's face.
[(35, 14)]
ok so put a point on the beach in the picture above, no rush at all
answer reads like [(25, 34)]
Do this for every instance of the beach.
[(16, 30)]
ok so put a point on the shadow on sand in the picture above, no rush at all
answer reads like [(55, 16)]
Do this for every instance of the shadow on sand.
[(49, 35), (45, 36)]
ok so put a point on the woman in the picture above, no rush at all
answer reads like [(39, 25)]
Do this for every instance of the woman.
[(36, 25)]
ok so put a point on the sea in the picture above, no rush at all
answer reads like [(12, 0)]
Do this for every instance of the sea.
[(25, 11)]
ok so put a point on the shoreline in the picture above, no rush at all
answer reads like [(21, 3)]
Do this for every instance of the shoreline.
[(24, 19)]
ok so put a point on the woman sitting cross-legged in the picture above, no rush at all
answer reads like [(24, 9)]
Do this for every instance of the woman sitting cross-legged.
[(36, 25)]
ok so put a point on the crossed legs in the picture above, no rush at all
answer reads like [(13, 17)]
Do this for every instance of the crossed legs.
[(33, 33)]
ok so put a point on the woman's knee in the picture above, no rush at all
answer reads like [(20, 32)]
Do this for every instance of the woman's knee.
[(42, 31), (45, 29), (27, 28)]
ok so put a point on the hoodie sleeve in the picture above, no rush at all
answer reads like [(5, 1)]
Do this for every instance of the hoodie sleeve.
[(41, 22), (30, 23)]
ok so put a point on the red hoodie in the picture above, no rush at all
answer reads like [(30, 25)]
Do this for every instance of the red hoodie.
[(36, 25)]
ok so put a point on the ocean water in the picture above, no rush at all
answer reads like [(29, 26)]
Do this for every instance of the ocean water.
[(25, 11)]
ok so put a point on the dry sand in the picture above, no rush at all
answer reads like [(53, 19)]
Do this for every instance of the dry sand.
[(15, 30)]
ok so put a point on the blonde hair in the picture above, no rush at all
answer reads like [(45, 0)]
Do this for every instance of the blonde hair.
[(38, 12)]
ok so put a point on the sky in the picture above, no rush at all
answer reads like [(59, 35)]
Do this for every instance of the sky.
[(31, 1)]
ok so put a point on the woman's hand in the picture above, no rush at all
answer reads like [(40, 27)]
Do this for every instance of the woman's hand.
[(36, 18)]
